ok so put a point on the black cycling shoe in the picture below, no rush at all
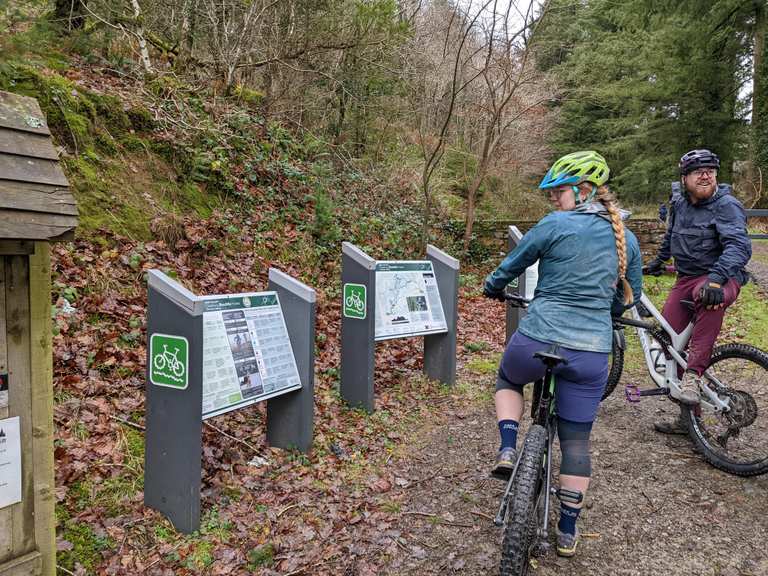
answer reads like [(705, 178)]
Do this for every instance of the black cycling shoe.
[(505, 463)]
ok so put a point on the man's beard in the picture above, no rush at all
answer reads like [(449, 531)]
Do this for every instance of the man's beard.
[(702, 190)]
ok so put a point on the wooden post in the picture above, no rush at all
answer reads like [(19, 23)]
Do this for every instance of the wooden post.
[(42, 404), (5, 514)]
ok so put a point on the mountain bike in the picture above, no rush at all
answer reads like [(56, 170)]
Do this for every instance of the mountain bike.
[(524, 509), (730, 426)]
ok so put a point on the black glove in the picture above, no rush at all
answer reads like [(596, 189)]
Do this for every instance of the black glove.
[(489, 292), (711, 295), (654, 268)]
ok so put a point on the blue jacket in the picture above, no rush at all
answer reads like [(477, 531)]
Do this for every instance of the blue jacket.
[(578, 275), (709, 237)]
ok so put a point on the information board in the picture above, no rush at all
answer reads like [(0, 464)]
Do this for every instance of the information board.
[(10, 461), (407, 300), (247, 354)]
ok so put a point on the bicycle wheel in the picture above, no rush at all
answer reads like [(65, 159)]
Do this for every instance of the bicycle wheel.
[(615, 368), (522, 518), (737, 440)]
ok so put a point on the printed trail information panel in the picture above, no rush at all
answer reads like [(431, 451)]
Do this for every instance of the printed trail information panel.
[(10, 461), (407, 300), (247, 354)]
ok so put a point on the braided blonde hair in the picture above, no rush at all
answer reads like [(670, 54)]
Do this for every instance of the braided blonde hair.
[(607, 199)]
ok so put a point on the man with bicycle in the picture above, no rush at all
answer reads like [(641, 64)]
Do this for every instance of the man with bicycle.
[(707, 237)]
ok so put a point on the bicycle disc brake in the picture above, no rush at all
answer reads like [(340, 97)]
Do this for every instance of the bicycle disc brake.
[(743, 410)]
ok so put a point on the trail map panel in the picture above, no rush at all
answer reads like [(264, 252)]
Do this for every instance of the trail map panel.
[(407, 300), (247, 354)]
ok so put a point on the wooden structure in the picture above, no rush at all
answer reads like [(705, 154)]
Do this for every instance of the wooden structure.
[(36, 207)]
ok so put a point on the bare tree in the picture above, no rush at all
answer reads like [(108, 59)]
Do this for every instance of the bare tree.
[(437, 71), (510, 88)]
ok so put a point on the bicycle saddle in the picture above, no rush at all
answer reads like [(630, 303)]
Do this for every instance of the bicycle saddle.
[(551, 357)]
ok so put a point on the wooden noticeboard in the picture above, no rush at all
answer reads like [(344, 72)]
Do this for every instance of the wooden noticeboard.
[(36, 208)]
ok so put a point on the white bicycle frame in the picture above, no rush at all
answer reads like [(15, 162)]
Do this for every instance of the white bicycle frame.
[(670, 379)]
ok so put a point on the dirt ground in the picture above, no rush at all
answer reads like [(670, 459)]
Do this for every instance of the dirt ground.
[(654, 506), (758, 266)]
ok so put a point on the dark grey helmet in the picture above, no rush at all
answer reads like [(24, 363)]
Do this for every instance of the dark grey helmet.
[(694, 159)]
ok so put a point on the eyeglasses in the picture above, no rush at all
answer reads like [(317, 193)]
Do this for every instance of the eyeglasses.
[(703, 172)]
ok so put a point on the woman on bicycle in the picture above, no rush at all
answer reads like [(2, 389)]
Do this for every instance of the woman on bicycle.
[(589, 265)]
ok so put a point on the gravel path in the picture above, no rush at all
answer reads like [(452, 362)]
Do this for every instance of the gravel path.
[(654, 506), (758, 266)]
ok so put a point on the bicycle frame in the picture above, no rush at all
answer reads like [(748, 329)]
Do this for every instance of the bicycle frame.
[(674, 359)]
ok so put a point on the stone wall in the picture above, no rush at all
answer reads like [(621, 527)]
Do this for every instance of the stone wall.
[(649, 232)]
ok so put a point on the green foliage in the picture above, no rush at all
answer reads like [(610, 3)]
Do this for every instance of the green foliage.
[(261, 557), (476, 346), (647, 81), (87, 546), (325, 228), (484, 365)]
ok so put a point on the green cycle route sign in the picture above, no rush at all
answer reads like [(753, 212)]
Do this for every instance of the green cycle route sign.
[(355, 301), (169, 361)]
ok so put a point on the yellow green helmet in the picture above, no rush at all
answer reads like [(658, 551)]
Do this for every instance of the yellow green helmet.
[(575, 168)]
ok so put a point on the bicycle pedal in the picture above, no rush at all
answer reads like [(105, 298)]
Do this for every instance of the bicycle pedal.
[(632, 393)]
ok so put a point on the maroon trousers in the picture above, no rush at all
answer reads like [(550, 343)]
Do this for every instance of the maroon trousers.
[(708, 322)]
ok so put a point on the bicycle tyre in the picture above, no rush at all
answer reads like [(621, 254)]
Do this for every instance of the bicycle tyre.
[(520, 528), (615, 368), (159, 363), (697, 427)]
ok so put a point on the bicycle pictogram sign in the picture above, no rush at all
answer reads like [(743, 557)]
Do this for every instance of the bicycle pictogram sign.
[(354, 301), (169, 361)]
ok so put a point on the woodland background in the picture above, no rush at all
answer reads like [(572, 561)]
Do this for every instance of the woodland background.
[(213, 139)]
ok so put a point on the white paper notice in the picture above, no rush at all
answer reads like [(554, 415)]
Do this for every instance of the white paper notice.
[(10, 461)]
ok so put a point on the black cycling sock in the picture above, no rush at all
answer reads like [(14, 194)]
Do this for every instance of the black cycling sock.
[(508, 432), (568, 517)]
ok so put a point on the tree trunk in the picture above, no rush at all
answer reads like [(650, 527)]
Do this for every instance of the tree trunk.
[(469, 221), (426, 216), (759, 160), (72, 12), (143, 50), (188, 29)]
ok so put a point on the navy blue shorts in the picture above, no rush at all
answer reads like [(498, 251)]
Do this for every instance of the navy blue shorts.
[(580, 383)]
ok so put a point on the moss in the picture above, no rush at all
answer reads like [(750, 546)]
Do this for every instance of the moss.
[(108, 110), (141, 119), (487, 365), (201, 557), (133, 143), (134, 444), (87, 546), (261, 557), (248, 95)]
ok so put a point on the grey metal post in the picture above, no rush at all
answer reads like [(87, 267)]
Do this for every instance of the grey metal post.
[(290, 417), (514, 315), (358, 344), (173, 438), (440, 349)]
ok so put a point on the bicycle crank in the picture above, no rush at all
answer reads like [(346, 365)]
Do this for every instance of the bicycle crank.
[(634, 394)]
